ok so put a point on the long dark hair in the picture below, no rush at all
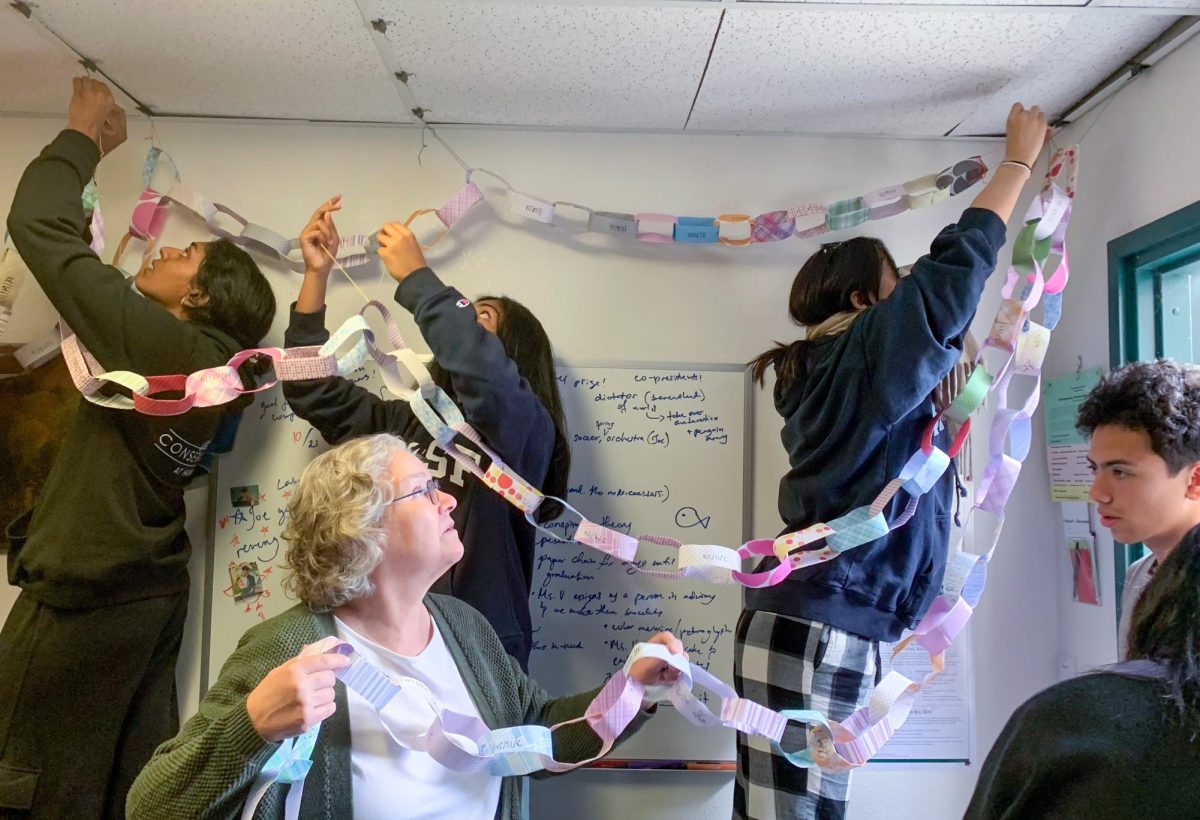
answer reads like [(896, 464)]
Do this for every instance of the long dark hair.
[(1165, 626), (240, 300), (526, 343), (824, 287)]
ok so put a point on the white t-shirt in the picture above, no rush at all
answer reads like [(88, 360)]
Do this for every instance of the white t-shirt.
[(390, 781), (1136, 577)]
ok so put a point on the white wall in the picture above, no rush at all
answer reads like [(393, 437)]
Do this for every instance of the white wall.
[(1130, 175), (634, 302)]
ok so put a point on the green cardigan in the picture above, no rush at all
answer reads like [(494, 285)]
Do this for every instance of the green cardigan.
[(208, 769)]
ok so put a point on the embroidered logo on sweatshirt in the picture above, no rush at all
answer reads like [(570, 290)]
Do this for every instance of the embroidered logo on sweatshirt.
[(464, 302), (181, 451)]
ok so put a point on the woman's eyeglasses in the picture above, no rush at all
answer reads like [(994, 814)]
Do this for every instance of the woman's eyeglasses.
[(429, 489)]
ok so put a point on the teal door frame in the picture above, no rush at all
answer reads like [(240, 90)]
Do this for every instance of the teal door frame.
[(1140, 300)]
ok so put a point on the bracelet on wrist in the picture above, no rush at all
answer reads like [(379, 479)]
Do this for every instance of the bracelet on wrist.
[(1013, 163)]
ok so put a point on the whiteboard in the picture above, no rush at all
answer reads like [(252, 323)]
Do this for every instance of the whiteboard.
[(655, 448)]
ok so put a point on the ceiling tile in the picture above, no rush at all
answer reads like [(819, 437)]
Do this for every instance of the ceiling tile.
[(552, 65), (900, 72), (1088, 48), (269, 58), (35, 74)]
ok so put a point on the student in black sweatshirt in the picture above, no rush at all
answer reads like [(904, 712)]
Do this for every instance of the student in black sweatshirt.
[(495, 360), (1122, 742), (87, 654), (856, 396)]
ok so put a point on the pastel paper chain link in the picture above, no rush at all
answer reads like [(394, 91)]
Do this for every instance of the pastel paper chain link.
[(464, 743), (738, 230)]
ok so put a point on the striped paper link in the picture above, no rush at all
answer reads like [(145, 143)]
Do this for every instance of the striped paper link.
[(886, 202), (872, 727), (611, 223), (847, 213), (146, 404), (886, 495), (773, 226), (366, 679), (656, 227), (466, 198), (696, 230), (614, 708), (815, 229), (735, 229)]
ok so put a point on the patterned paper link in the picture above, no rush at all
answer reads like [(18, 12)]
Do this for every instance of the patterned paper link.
[(847, 213), (962, 175), (773, 226), (610, 223), (736, 229), (523, 749)]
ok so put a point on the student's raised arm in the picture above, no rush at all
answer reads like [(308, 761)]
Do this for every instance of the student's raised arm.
[(46, 222), (914, 336), (338, 408)]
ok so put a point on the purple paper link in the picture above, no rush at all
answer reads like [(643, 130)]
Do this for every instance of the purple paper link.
[(1000, 425), (909, 509), (1020, 436), (973, 587), (773, 226), (612, 710), (936, 614), (938, 640), (342, 648), (996, 485)]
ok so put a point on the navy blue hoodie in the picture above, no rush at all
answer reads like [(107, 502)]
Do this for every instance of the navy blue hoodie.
[(496, 570), (853, 418)]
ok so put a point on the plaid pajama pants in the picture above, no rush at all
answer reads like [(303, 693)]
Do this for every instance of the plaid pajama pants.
[(791, 663)]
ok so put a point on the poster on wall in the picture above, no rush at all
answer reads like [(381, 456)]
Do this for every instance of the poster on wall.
[(1070, 476)]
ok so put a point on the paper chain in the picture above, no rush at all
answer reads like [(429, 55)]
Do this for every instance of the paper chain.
[(738, 230), (516, 750), (1040, 268)]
